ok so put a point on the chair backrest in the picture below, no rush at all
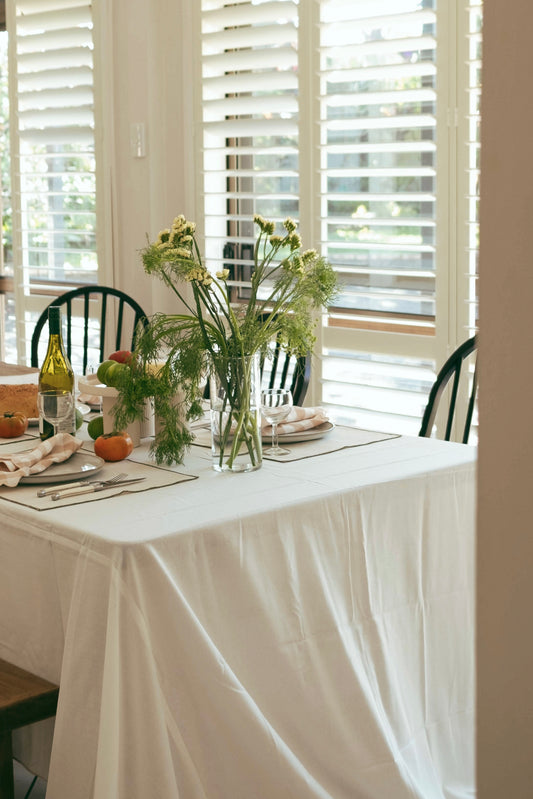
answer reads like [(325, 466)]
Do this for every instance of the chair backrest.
[(286, 371), (452, 369), (117, 317), (282, 370)]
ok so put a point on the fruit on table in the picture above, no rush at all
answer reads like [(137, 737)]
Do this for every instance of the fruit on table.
[(113, 446), (122, 356), (102, 369), (95, 427), (115, 373), (13, 424), (79, 419), (112, 373)]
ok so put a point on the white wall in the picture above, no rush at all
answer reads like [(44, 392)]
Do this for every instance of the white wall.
[(147, 73), (505, 506)]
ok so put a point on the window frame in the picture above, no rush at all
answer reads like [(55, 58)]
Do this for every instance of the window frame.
[(453, 315)]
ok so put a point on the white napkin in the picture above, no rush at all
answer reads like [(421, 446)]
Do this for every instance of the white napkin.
[(298, 419), (55, 449), (89, 399)]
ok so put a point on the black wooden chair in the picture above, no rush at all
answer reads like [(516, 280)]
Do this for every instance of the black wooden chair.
[(452, 369), (286, 371), (281, 370), (24, 699), (118, 316)]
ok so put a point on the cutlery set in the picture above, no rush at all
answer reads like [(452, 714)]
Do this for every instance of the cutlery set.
[(84, 487)]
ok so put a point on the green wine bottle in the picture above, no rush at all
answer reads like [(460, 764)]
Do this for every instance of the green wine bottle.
[(56, 372)]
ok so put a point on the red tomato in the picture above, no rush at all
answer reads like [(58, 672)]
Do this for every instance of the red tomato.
[(122, 356), (12, 424), (113, 446)]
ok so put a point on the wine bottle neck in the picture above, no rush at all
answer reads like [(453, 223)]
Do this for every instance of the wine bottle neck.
[(54, 321)]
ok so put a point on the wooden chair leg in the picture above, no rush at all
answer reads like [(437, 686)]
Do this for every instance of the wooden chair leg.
[(7, 787)]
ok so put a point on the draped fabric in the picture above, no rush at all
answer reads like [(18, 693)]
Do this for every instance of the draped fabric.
[(300, 632)]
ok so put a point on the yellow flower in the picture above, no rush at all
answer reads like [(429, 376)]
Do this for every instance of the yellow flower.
[(309, 255), (295, 241), (289, 225), (223, 274)]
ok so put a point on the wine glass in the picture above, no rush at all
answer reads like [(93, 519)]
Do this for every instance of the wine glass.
[(276, 404), (92, 369), (55, 405)]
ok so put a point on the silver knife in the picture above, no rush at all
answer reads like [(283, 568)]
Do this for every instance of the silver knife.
[(43, 492), (88, 489)]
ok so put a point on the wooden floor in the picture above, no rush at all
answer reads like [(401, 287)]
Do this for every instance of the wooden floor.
[(23, 780)]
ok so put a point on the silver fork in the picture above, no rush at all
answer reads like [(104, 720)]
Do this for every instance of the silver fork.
[(43, 492)]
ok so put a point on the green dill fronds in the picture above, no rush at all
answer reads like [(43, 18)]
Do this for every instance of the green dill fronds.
[(171, 356)]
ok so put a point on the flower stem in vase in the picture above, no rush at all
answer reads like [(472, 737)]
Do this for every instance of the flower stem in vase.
[(235, 414)]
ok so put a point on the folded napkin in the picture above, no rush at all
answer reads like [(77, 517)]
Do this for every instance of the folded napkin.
[(55, 449), (90, 399), (298, 419)]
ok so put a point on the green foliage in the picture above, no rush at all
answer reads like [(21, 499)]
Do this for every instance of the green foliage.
[(173, 355)]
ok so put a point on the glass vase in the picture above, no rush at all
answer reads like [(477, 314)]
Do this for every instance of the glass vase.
[(235, 402)]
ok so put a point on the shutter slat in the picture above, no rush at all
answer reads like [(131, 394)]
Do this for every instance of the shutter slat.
[(55, 79), (249, 37), (250, 82), (247, 14)]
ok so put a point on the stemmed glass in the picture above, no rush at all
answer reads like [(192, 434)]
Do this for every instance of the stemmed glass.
[(55, 405), (276, 404), (92, 369)]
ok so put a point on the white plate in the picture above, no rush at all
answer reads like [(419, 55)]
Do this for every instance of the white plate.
[(78, 466), (304, 435)]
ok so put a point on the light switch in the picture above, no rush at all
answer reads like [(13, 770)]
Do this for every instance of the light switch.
[(137, 140)]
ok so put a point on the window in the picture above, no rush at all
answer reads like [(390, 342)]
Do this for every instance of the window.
[(53, 153), (360, 119)]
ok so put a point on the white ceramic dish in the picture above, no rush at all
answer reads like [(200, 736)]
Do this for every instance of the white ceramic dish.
[(89, 384), (303, 435), (78, 466)]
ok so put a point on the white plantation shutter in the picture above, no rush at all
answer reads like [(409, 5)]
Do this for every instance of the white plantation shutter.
[(250, 125), (474, 14), (52, 112), (359, 119), (379, 206)]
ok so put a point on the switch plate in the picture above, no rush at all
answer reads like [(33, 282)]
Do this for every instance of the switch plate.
[(137, 140)]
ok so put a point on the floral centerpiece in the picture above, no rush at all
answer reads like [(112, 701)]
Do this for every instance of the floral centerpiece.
[(176, 351)]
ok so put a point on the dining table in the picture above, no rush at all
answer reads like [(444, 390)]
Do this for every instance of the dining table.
[(302, 631)]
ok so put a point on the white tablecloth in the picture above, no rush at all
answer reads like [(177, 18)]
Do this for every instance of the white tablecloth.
[(300, 632)]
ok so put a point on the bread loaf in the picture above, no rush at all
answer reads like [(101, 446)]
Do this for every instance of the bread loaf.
[(21, 398)]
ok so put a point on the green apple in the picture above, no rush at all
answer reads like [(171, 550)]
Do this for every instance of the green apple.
[(114, 373), (102, 371)]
